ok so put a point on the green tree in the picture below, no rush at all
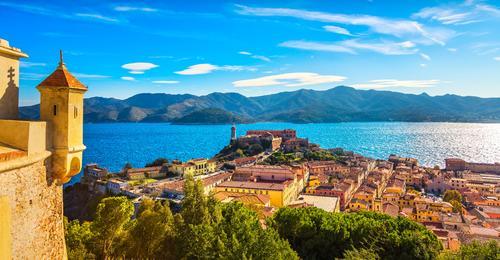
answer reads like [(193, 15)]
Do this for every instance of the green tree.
[(111, 216), (360, 254), (128, 166), (314, 233), (450, 195), (153, 223), (78, 239), (158, 162), (255, 149), (457, 206), (476, 250)]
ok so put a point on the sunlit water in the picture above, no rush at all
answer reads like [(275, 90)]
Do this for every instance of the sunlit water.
[(112, 145)]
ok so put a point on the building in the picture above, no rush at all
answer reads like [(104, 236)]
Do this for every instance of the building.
[(455, 164), (248, 199), (147, 172), (281, 193), (175, 189), (233, 133), (194, 167), (36, 158), (329, 204), (116, 186), (285, 134)]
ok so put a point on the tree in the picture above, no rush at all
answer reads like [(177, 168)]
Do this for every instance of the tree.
[(457, 206), (78, 238), (255, 149), (314, 233), (128, 165), (476, 250), (158, 162), (147, 232), (450, 195), (111, 216)]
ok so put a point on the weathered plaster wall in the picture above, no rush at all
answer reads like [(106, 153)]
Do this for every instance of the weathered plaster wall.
[(36, 206)]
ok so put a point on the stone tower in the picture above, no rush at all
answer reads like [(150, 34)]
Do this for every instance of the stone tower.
[(61, 106), (9, 80), (36, 157), (233, 133)]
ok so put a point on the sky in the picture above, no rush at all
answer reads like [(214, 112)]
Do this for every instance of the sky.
[(119, 49)]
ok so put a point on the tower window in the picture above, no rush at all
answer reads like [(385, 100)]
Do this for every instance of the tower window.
[(55, 110), (76, 112)]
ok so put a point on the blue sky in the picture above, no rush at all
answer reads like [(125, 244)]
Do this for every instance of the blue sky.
[(123, 48)]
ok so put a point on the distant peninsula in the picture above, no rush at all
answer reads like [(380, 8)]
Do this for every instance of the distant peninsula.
[(339, 104)]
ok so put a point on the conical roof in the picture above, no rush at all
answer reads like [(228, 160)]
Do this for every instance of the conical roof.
[(61, 77)]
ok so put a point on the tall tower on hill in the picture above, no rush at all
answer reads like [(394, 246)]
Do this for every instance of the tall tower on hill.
[(233, 133), (61, 106)]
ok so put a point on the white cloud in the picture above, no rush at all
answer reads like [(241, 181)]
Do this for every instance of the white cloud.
[(128, 78), (165, 81), (425, 56), (423, 65), (351, 46), (139, 67), (296, 79), (394, 83), (198, 69), (134, 8), (337, 30), (27, 64), (258, 57), (497, 58), (97, 17), (394, 27), (206, 68), (458, 14), (316, 46), (90, 76), (32, 76), (452, 49)]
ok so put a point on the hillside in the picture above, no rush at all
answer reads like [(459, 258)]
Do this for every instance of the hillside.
[(340, 104)]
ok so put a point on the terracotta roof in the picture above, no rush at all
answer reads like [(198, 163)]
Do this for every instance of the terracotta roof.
[(61, 77), (252, 185)]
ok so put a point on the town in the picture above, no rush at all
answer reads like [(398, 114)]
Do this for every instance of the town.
[(270, 169)]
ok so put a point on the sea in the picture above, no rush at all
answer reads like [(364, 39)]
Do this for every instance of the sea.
[(113, 145)]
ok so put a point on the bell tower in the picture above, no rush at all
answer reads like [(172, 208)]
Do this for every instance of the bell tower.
[(61, 106)]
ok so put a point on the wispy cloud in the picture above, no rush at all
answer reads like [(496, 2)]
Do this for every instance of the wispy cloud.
[(126, 8), (97, 17), (165, 81), (258, 57), (128, 78), (206, 68), (395, 27), (337, 30), (27, 64), (394, 83), (425, 56), (55, 12), (497, 58), (90, 76), (296, 79), (32, 76), (139, 67), (352, 46), (459, 14)]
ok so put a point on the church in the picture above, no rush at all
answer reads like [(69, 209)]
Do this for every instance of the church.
[(36, 159)]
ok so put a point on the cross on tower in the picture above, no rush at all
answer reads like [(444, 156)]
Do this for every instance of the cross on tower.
[(11, 74)]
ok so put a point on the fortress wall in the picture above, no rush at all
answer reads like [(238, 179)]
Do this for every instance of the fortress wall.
[(36, 213)]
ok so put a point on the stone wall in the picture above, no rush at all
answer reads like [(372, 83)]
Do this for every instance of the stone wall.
[(36, 206)]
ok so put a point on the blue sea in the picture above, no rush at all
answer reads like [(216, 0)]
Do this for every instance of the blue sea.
[(112, 145)]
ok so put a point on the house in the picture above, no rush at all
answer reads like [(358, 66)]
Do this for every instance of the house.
[(194, 167), (115, 186)]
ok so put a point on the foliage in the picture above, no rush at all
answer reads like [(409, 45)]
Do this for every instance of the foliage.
[(321, 155), (158, 162), (282, 158), (314, 233), (255, 149), (203, 229), (457, 206), (128, 166), (111, 216), (451, 195), (475, 250)]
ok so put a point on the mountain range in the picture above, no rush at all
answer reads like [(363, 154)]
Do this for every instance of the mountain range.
[(339, 104)]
